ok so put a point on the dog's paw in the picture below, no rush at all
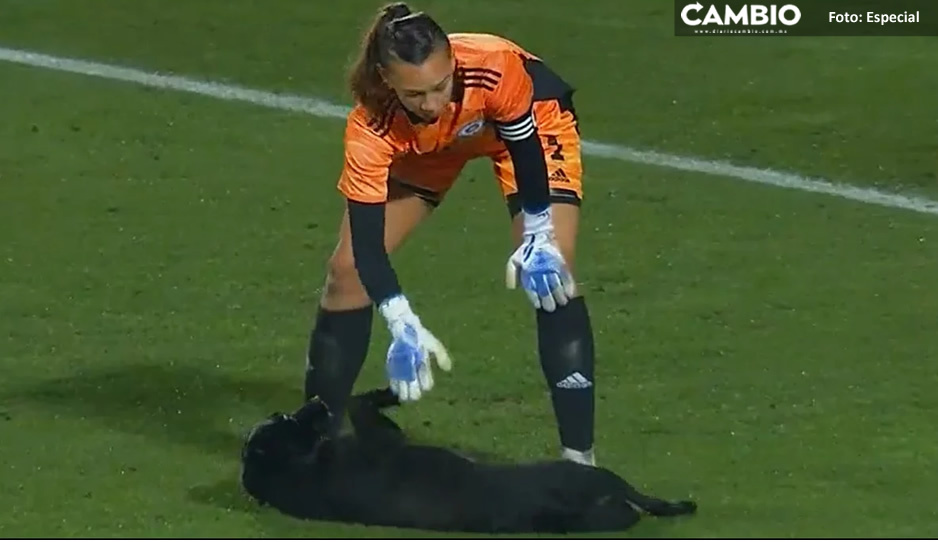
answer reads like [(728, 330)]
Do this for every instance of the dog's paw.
[(380, 398)]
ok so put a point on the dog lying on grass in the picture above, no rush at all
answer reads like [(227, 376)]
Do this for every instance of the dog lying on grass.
[(375, 477)]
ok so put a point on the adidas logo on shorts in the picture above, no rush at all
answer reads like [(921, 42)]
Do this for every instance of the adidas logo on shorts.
[(558, 176), (575, 381)]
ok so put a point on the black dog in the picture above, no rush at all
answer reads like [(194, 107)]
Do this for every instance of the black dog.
[(375, 477)]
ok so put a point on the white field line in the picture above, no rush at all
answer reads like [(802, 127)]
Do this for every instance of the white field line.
[(322, 108)]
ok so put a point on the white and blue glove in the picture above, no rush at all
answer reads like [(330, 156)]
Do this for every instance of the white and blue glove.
[(412, 346), (539, 265)]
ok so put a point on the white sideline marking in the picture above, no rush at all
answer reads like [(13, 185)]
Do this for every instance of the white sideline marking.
[(322, 108)]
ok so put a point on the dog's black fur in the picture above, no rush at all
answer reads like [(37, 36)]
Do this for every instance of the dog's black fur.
[(375, 477)]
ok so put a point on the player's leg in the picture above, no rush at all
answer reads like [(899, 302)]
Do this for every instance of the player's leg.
[(339, 342), (342, 331), (565, 336), (566, 350)]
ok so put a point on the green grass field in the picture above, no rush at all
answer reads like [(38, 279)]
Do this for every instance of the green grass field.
[(767, 351)]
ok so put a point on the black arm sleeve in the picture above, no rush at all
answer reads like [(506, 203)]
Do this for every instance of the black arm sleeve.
[(527, 157), (366, 221)]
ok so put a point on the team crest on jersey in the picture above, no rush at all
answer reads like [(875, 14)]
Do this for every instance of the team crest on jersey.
[(472, 128)]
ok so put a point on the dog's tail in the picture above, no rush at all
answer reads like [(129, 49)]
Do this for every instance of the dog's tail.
[(659, 507), (649, 504)]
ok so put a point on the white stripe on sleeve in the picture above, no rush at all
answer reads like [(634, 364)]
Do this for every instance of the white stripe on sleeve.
[(522, 128)]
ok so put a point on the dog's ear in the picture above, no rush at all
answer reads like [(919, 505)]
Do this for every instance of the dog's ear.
[(270, 438)]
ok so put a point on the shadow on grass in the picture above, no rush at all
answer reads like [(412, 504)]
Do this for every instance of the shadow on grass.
[(207, 409)]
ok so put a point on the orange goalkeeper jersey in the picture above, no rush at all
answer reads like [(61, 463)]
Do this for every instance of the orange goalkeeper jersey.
[(492, 85)]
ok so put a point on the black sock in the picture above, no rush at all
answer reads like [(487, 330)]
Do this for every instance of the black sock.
[(565, 344), (338, 346)]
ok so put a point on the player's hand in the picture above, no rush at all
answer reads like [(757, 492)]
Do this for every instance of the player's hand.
[(539, 265), (411, 350)]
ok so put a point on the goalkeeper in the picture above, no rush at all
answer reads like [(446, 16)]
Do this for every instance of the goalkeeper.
[(427, 102)]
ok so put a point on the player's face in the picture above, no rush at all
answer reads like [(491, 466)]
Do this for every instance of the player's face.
[(425, 89)]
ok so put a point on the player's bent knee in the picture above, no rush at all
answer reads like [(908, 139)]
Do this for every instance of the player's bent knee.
[(343, 289)]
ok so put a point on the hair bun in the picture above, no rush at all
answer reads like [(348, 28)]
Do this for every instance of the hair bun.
[(395, 11)]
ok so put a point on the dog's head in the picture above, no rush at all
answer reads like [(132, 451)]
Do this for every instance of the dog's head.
[(282, 440)]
